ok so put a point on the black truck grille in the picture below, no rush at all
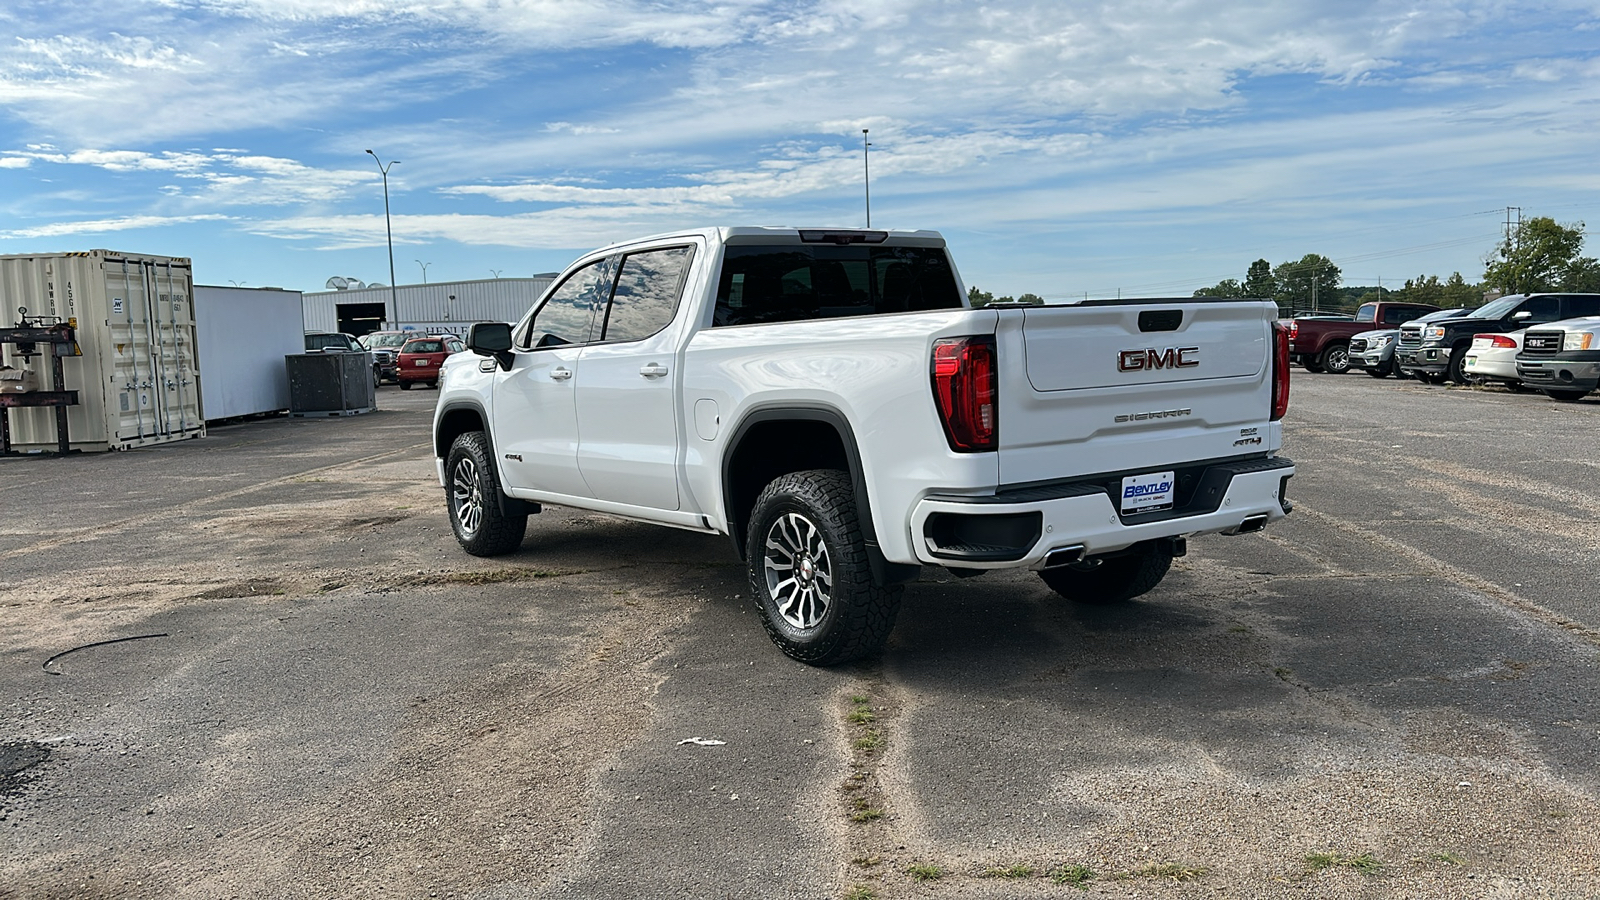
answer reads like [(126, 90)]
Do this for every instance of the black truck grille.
[(1542, 343)]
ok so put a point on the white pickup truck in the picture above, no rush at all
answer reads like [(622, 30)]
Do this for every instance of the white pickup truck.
[(829, 400)]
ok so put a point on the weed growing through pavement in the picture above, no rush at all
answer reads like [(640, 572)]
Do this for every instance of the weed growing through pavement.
[(1075, 875), (863, 811), (1445, 856), (1365, 863), (860, 892), (924, 872)]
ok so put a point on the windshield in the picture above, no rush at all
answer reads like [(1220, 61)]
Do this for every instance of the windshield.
[(328, 342), (1367, 313), (1494, 309), (388, 339), (1441, 314)]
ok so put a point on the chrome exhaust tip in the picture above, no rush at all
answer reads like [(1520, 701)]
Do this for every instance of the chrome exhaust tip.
[(1063, 556)]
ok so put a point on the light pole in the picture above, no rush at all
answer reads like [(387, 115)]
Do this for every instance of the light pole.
[(866, 173), (388, 230), (424, 266)]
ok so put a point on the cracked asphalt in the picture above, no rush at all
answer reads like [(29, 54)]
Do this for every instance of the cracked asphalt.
[(1393, 693)]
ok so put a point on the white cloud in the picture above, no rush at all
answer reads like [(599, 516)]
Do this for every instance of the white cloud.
[(105, 226), (15, 162)]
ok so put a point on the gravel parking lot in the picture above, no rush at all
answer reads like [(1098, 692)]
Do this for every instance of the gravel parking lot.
[(314, 693)]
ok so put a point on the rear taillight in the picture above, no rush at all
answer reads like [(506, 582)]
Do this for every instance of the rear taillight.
[(966, 388), (1280, 370), (1294, 330), (1501, 341)]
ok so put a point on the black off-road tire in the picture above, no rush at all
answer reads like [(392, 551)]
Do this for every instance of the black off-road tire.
[(1383, 369), (1313, 365), (472, 495), (1334, 359), (1113, 580), (1565, 396), (809, 572)]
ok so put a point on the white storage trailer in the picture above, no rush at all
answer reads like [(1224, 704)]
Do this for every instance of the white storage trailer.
[(446, 306), (138, 378), (244, 335)]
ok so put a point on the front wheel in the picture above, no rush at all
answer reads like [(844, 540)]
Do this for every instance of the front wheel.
[(1565, 396), (473, 498), (1457, 368), (1112, 580), (809, 573)]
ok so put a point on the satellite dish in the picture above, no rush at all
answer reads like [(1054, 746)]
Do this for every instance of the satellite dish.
[(338, 283)]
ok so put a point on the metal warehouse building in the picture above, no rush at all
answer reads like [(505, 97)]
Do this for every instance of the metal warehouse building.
[(447, 306)]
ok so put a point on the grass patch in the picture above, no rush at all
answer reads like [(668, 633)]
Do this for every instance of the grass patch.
[(1019, 870), (1365, 863), (862, 811), (861, 715), (1172, 871), (866, 862), (868, 741), (1283, 672), (1454, 859), (860, 892), (1075, 875), (924, 872)]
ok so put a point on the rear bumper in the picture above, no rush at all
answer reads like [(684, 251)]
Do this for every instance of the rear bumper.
[(1019, 528)]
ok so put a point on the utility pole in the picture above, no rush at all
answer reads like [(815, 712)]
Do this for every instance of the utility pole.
[(866, 173), (394, 298)]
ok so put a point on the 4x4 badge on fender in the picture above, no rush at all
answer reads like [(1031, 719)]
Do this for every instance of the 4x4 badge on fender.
[(1170, 358)]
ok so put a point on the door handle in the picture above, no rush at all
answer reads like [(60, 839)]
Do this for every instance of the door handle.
[(653, 370), (561, 373)]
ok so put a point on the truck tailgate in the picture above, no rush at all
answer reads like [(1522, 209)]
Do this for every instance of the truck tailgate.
[(1132, 385)]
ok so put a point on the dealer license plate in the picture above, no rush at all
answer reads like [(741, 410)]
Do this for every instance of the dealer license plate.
[(1472, 362), (1144, 493), (421, 362)]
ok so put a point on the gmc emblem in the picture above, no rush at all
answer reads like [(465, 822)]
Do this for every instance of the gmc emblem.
[(1170, 358)]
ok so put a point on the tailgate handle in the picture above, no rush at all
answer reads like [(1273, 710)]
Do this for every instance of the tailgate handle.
[(1160, 319)]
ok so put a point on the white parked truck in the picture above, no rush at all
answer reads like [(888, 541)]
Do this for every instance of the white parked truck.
[(829, 400)]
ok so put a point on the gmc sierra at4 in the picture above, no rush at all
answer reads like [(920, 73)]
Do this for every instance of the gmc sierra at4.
[(828, 400)]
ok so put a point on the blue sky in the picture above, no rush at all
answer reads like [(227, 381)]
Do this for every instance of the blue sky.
[(1146, 148)]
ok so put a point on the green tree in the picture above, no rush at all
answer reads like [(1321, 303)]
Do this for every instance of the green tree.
[(1583, 274), (1423, 289), (1258, 282), (1457, 293), (1540, 255), (1227, 287), (1311, 282), (1031, 299), (979, 298)]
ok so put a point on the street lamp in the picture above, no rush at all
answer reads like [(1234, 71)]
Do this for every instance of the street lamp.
[(866, 173), (394, 299), (424, 266)]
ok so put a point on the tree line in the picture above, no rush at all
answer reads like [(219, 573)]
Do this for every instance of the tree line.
[(1540, 254)]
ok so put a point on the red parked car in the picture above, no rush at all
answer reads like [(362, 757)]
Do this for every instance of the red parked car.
[(421, 357)]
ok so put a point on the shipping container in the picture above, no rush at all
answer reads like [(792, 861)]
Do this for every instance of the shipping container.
[(243, 336), (446, 306), (138, 376)]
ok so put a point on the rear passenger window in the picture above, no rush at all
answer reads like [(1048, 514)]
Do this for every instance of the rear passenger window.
[(646, 296), (1581, 306)]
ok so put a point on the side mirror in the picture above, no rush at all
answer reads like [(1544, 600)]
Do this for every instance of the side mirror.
[(1521, 314), (491, 339)]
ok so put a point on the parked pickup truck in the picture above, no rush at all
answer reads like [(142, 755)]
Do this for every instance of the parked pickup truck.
[(1322, 344), (829, 401), (1562, 358), (1438, 350)]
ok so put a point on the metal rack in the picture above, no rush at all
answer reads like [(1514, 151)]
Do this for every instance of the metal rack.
[(62, 341)]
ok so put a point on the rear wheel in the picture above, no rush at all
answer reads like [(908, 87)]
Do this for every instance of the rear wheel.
[(473, 498), (1565, 396), (809, 573), (1334, 359), (405, 385), (1114, 579), (1312, 365)]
